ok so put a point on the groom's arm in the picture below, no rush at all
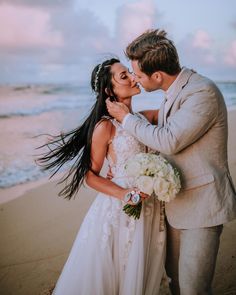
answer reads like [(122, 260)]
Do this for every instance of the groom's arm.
[(193, 119), (151, 115)]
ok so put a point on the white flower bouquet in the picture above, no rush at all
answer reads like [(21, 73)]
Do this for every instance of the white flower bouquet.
[(154, 176)]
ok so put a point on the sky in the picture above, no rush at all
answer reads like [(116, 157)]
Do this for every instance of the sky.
[(60, 41)]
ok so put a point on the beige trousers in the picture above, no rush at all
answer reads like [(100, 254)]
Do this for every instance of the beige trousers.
[(191, 259)]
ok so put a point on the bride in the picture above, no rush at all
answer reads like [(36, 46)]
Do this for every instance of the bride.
[(112, 253)]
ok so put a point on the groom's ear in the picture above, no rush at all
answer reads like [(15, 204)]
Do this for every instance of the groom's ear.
[(158, 76)]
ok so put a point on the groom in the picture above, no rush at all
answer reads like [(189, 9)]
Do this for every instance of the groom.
[(192, 134)]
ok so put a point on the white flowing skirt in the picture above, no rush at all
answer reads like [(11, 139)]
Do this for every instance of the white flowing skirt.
[(113, 254)]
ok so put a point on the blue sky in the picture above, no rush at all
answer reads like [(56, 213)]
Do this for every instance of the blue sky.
[(59, 41)]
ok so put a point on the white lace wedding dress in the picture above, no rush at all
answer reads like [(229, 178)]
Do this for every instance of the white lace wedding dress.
[(114, 254)]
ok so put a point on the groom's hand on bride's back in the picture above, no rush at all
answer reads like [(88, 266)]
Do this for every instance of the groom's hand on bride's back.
[(116, 109), (109, 173)]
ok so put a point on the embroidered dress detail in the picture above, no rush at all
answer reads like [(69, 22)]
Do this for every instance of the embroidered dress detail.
[(113, 253)]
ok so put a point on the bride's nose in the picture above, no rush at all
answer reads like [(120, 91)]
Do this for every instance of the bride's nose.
[(132, 77)]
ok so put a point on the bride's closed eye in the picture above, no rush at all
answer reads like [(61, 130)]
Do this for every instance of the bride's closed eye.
[(123, 77)]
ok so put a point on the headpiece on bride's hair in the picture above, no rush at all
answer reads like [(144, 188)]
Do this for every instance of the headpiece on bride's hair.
[(96, 77)]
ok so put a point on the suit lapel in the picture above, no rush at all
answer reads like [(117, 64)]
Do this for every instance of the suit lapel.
[(183, 80), (161, 114)]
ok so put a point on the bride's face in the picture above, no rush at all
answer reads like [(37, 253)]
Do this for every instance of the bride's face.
[(123, 82)]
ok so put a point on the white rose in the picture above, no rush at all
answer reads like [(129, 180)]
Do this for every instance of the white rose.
[(151, 168), (133, 168), (171, 193), (175, 181), (145, 184), (165, 197), (171, 178), (162, 172), (161, 187)]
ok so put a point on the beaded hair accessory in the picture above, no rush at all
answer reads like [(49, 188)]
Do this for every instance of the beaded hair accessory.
[(96, 78)]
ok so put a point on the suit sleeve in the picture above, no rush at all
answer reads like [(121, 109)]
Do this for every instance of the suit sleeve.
[(195, 117)]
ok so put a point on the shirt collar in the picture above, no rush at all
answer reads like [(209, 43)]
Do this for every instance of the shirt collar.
[(171, 90)]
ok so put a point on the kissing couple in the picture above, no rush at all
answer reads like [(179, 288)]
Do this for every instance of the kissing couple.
[(113, 252)]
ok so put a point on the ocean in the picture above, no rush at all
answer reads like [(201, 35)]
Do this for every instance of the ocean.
[(29, 114)]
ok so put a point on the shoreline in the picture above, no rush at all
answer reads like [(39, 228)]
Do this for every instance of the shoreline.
[(10, 193)]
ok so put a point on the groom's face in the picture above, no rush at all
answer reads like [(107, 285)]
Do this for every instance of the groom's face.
[(149, 83)]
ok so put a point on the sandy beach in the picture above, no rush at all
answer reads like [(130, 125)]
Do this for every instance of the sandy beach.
[(38, 229)]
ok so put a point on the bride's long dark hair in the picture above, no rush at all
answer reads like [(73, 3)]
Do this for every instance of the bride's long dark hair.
[(76, 144)]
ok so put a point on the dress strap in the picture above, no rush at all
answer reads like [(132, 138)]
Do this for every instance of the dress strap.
[(117, 124), (112, 120), (105, 117)]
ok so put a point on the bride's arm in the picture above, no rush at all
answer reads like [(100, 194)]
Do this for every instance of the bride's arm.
[(100, 141), (151, 116)]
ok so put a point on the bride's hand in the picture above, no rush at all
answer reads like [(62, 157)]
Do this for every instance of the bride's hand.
[(144, 196), (109, 174), (134, 196)]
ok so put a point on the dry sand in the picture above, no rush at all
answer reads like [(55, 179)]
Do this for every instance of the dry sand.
[(38, 229)]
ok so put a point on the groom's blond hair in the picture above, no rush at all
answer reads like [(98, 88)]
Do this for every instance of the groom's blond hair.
[(154, 52)]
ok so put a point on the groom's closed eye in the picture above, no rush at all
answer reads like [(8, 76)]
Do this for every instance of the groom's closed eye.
[(136, 76)]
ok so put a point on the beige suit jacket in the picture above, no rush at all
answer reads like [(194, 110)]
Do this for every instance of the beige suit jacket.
[(194, 139)]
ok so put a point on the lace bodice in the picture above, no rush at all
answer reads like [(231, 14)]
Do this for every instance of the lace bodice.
[(125, 146)]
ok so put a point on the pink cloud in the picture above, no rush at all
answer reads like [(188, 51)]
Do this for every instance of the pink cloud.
[(230, 58), (196, 52), (26, 27), (202, 40), (134, 19)]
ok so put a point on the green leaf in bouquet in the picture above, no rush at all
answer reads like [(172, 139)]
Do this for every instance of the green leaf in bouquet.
[(133, 210)]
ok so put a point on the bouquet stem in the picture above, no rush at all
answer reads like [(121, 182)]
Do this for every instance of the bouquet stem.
[(133, 210)]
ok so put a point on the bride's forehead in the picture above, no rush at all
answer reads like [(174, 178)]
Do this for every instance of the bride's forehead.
[(118, 68)]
